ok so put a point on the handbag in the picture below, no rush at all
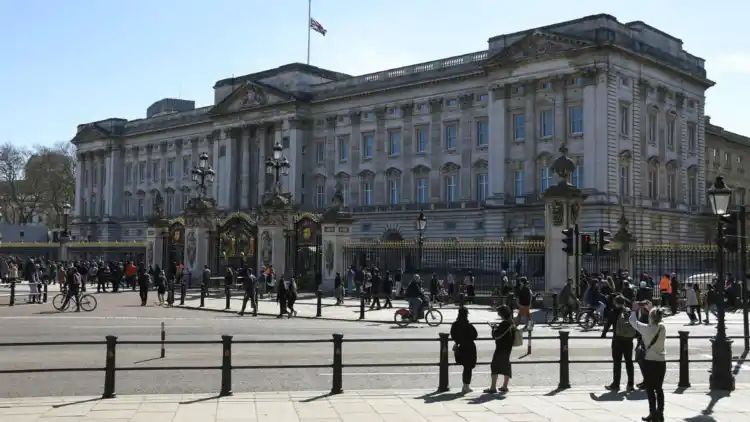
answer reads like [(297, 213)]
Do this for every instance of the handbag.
[(457, 353), (517, 335), (640, 351)]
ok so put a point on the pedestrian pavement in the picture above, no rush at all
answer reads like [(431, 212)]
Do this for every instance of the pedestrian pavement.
[(520, 404), (350, 311)]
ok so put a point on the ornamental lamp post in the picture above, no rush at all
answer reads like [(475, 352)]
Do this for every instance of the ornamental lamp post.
[(203, 174), (277, 166), (420, 224), (719, 196)]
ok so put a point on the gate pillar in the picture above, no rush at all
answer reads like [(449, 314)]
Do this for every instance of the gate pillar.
[(562, 207), (336, 227), (200, 223), (156, 235)]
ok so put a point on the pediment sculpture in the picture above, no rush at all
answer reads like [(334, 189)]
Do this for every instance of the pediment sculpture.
[(254, 97)]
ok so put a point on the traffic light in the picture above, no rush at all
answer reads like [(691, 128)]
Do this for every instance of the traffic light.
[(568, 241), (603, 241), (731, 231), (586, 246)]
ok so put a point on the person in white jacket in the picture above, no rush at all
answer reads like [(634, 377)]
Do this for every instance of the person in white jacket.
[(691, 301), (654, 364)]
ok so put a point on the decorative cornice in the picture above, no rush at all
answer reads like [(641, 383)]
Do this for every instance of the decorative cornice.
[(436, 105)]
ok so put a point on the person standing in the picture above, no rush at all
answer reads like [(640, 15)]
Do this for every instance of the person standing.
[(387, 289), (73, 283), (130, 274), (665, 288), (699, 302), (524, 303), (291, 296), (281, 297), (434, 287), (654, 362), (622, 345), (691, 301), (567, 301), (504, 333), (675, 285), (101, 278), (161, 286), (350, 274), (469, 283), (250, 287), (376, 289), (144, 279), (451, 280), (338, 289), (464, 334), (712, 300)]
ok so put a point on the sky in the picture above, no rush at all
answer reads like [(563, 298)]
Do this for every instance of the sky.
[(63, 63)]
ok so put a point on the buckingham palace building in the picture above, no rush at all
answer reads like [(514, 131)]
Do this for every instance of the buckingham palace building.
[(468, 139)]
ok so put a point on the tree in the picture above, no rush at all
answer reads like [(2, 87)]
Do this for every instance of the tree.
[(52, 171), (18, 196)]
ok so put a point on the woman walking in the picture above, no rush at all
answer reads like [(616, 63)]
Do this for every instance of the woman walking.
[(503, 333), (161, 286), (291, 296), (387, 289), (281, 296), (691, 302), (464, 334), (654, 360)]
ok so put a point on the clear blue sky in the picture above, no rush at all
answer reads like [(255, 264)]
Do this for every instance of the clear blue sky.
[(68, 62)]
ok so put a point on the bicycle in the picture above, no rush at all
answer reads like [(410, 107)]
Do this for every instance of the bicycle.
[(588, 318), (87, 302), (403, 316), (557, 319)]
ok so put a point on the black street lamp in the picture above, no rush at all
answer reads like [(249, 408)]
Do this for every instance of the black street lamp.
[(721, 363), (420, 224), (66, 212), (203, 174), (276, 166)]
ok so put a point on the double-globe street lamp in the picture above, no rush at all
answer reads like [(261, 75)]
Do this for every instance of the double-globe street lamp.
[(276, 165), (64, 235), (721, 347), (203, 174), (420, 225)]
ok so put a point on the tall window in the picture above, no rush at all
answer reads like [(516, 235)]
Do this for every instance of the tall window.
[(671, 132), (343, 148), (421, 133), (96, 176), (170, 203), (652, 128), (422, 190), (84, 208), (575, 117), (482, 187), (576, 178), (186, 166), (449, 181), (320, 152), (140, 208), (692, 140), (155, 170), (394, 191), (92, 207), (129, 173), (545, 178), (394, 142), (320, 195), (519, 127), (692, 181), (625, 180), (653, 181), (671, 185), (546, 122), (368, 145), (624, 119), (451, 135), (518, 188), (366, 192), (345, 192), (142, 171), (170, 168), (482, 133)]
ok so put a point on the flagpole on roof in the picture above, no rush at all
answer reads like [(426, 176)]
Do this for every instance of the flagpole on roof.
[(309, 17)]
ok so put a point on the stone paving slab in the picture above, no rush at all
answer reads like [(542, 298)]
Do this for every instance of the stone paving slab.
[(522, 404)]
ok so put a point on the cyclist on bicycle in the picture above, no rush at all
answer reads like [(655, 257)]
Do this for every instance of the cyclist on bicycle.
[(567, 300), (73, 285), (415, 297)]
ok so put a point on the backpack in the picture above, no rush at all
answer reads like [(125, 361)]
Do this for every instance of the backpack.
[(517, 337), (624, 329)]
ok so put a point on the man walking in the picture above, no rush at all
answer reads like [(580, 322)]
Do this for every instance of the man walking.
[(665, 288), (622, 345), (73, 283), (338, 289), (144, 280), (250, 286)]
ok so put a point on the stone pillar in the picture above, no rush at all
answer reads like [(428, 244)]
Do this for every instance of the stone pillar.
[(156, 241), (77, 205), (466, 145), (272, 246), (336, 232), (436, 148), (496, 152), (114, 182), (381, 157), (244, 168), (296, 161)]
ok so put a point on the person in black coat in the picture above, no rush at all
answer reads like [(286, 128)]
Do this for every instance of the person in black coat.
[(503, 333), (464, 334), (376, 288), (281, 297), (144, 279), (387, 289), (433, 287)]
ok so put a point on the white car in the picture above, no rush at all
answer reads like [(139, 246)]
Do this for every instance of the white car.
[(702, 279)]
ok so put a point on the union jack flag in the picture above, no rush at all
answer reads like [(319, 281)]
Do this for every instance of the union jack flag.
[(317, 27)]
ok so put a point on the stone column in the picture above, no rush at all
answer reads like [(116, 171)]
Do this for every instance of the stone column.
[(244, 168), (272, 246), (466, 146), (156, 239), (496, 151), (114, 182), (407, 153), (80, 189), (436, 147), (355, 141), (296, 161), (336, 232), (381, 157)]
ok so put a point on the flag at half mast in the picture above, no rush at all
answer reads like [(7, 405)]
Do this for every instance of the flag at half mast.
[(317, 27)]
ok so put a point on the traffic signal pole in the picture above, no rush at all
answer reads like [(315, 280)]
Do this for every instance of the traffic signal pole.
[(743, 272), (577, 256)]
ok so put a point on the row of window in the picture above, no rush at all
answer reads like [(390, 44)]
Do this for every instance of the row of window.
[(714, 155), (140, 172), (652, 183), (655, 132)]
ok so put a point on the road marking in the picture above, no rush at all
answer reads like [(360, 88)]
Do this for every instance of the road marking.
[(135, 326), (354, 374)]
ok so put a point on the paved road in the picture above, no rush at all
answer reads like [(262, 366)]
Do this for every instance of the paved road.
[(120, 315)]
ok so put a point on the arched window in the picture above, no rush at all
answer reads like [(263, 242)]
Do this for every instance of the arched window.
[(343, 182), (671, 181), (393, 186), (422, 184), (450, 182), (692, 185), (481, 181), (653, 178), (366, 181), (624, 173)]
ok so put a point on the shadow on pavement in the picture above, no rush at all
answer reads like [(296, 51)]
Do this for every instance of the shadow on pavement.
[(75, 402), (608, 396), (312, 399), (437, 397), (486, 397), (555, 391), (146, 360), (715, 397), (200, 399), (739, 363)]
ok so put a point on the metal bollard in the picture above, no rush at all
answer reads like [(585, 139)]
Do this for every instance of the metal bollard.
[(44, 295), (163, 337), (182, 293), (554, 306), (564, 362), (362, 306), (12, 293), (203, 295), (443, 377), (338, 340), (109, 370), (684, 360), (227, 294), (319, 310), (226, 366), (528, 346)]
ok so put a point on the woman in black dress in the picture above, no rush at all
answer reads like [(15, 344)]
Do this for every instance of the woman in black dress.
[(281, 294), (503, 333), (464, 334)]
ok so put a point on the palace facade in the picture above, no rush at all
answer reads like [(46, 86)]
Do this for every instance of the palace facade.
[(469, 139)]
